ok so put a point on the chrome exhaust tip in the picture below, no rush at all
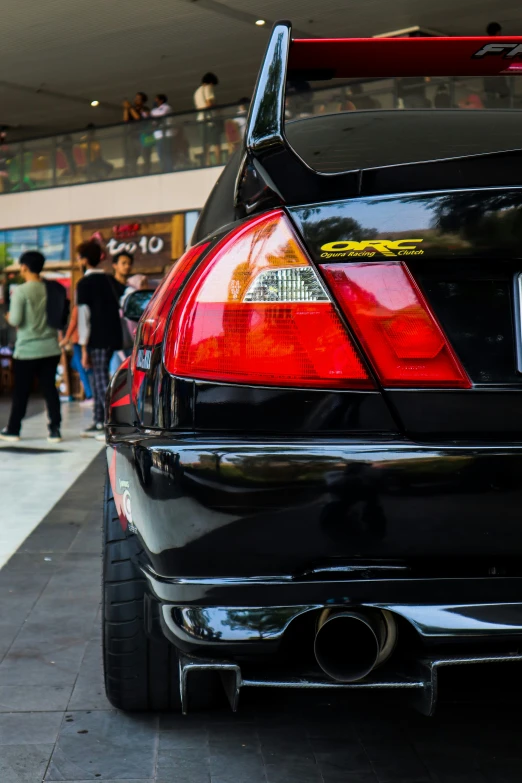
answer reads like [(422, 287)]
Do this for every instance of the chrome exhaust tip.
[(350, 644)]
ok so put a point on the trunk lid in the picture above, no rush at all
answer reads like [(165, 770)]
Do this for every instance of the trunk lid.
[(463, 250)]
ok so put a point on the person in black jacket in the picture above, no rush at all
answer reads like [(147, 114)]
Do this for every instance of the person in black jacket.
[(99, 327)]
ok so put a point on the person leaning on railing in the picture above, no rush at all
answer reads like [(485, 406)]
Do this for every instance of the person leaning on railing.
[(205, 99), (140, 140), (163, 131)]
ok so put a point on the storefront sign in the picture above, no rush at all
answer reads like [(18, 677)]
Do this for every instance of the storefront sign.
[(146, 245), (149, 240)]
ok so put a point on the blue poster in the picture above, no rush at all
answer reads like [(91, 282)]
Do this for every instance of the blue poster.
[(20, 240), (52, 241)]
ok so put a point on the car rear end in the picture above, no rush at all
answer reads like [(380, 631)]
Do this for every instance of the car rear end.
[(316, 446)]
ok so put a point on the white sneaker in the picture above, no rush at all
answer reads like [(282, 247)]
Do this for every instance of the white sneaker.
[(100, 437), (92, 431), (9, 437)]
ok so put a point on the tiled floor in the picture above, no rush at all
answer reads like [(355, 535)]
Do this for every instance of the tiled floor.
[(35, 474), (56, 725)]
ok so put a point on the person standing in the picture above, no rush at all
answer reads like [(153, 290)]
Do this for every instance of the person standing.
[(205, 99), (99, 327), (36, 353), (163, 132), (67, 147), (497, 93), (494, 28), (97, 167), (241, 115), (122, 267), (138, 138), (411, 90), (71, 338)]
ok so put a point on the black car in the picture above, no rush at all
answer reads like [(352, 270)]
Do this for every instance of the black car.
[(315, 451)]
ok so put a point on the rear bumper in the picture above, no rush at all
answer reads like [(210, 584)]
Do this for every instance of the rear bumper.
[(246, 542), (245, 644), (299, 509), (253, 615)]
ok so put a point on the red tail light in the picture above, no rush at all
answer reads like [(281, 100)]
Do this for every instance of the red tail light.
[(396, 328), (151, 328), (256, 312), (154, 319)]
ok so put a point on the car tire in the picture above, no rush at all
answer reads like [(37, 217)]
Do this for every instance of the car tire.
[(141, 672)]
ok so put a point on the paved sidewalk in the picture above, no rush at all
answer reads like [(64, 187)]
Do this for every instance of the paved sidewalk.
[(35, 474), (55, 723)]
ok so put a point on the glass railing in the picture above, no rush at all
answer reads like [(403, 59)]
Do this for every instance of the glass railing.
[(193, 140), (177, 142)]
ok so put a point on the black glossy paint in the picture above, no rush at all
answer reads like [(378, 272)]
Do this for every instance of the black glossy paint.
[(227, 408), (248, 506), (246, 628), (268, 497), (166, 402), (494, 591), (479, 415), (207, 624), (484, 223), (476, 309)]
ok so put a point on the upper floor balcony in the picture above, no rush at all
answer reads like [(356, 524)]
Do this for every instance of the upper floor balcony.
[(196, 140)]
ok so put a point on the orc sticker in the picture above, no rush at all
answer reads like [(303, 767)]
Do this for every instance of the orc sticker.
[(507, 50), (368, 248)]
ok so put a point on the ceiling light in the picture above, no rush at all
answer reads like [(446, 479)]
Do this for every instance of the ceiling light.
[(95, 103), (260, 22)]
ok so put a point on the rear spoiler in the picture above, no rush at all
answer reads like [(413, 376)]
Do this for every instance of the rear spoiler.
[(272, 174), (343, 57)]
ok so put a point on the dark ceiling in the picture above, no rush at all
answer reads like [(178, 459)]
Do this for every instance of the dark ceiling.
[(57, 55)]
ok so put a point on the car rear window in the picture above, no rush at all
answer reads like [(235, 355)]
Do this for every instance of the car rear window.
[(332, 143)]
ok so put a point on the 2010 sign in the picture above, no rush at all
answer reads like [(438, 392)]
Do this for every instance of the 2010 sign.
[(152, 245)]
